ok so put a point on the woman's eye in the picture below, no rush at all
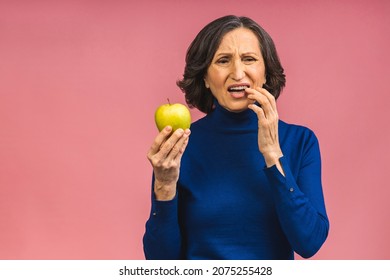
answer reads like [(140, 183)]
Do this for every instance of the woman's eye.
[(249, 59), (223, 60)]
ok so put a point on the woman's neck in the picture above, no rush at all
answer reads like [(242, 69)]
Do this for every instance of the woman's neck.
[(225, 120)]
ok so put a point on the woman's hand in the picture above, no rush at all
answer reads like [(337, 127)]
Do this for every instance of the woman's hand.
[(165, 156), (268, 119)]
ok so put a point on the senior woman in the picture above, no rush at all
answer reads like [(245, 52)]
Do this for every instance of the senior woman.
[(244, 185)]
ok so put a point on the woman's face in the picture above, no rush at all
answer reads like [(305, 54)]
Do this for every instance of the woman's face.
[(236, 65)]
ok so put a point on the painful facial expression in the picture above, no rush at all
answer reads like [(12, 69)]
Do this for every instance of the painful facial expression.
[(236, 65)]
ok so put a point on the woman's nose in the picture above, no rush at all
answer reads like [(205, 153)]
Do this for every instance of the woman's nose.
[(238, 71)]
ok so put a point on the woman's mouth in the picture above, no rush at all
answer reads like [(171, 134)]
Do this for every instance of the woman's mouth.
[(238, 91)]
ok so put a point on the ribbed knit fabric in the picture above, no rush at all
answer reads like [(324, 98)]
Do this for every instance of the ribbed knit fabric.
[(230, 206)]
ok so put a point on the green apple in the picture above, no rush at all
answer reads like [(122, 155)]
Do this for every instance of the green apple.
[(176, 115)]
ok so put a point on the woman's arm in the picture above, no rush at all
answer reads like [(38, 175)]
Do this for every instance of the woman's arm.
[(165, 157), (162, 238), (268, 121), (300, 202)]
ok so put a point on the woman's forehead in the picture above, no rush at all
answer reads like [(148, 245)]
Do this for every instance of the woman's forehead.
[(241, 39)]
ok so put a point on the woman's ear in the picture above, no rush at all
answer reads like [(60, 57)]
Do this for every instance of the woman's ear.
[(206, 84)]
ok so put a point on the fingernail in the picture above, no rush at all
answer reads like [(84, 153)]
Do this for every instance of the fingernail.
[(180, 131), (168, 128)]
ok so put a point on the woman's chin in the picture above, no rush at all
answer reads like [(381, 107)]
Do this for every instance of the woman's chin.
[(238, 105)]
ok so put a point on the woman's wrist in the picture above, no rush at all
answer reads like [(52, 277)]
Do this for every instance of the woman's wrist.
[(164, 191), (272, 159)]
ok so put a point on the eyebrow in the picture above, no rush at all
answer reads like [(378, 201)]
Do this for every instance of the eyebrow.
[(229, 54)]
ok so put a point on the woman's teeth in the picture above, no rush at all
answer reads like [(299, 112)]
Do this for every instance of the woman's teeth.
[(237, 89)]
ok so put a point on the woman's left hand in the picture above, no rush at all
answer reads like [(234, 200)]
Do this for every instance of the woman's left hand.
[(268, 119)]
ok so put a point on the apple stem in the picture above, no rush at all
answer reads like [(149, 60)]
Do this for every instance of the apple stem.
[(169, 101)]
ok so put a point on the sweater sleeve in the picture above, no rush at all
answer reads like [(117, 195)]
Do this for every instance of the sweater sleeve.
[(299, 200), (162, 239)]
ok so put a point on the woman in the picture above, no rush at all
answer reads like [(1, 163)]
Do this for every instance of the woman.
[(245, 185)]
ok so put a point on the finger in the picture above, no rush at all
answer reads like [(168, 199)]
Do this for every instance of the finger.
[(256, 95), (259, 96), (258, 110), (265, 99), (184, 146), (159, 140), (178, 149), (269, 96), (168, 145)]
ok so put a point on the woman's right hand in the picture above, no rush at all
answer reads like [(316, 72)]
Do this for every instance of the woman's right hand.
[(165, 156)]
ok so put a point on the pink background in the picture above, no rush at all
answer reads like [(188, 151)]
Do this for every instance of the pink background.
[(79, 83)]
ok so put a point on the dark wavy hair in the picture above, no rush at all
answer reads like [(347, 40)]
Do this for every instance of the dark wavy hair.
[(202, 50)]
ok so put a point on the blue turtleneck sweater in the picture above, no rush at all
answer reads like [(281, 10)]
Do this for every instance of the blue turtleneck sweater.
[(230, 206)]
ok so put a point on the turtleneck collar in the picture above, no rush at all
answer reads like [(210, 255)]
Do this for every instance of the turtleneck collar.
[(225, 120)]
